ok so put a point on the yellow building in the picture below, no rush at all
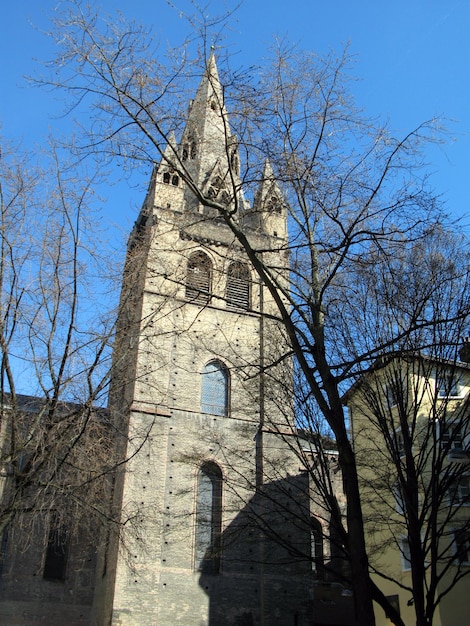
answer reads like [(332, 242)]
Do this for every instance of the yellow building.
[(410, 426)]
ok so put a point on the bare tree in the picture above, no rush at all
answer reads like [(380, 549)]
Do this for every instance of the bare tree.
[(357, 199), (410, 421), (55, 434)]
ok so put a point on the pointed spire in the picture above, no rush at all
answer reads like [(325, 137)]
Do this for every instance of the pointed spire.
[(169, 153), (207, 131)]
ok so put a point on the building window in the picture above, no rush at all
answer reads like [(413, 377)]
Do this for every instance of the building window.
[(55, 561), (215, 389), (400, 443), (447, 386), (395, 602), (238, 286), (199, 277), (208, 519), (459, 491), (405, 554), (391, 396), (398, 497), (462, 546), (316, 542), (451, 436), (169, 178)]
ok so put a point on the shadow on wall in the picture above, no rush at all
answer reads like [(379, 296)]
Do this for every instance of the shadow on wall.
[(261, 570)]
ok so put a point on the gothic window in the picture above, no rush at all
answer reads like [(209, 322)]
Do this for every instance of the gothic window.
[(238, 286), (169, 178), (316, 538), (214, 389), (273, 204), (189, 150), (208, 519), (218, 185), (198, 279), (56, 552), (225, 198), (234, 162)]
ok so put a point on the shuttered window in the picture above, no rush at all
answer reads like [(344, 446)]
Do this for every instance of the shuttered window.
[(208, 519), (214, 389), (198, 279), (238, 286)]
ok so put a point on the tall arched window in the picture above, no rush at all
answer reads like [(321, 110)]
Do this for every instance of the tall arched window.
[(238, 286), (208, 519), (316, 538), (214, 389), (198, 279)]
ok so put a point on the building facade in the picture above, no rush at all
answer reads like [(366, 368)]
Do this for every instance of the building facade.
[(207, 486), (212, 517), (411, 431)]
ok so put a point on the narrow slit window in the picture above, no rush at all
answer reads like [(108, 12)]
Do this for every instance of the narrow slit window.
[(316, 537), (208, 519)]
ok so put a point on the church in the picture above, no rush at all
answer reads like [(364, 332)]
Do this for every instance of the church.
[(215, 511)]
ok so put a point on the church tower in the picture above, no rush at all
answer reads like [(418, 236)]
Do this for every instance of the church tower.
[(190, 404)]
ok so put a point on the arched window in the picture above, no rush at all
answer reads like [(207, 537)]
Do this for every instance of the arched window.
[(198, 278), (214, 389), (237, 293), (316, 538), (166, 178), (175, 181), (208, 519)]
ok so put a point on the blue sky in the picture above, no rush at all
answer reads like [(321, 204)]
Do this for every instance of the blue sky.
[(412, 62)]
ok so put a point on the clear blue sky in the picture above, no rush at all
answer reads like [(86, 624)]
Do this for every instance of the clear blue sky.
[(413, 59)]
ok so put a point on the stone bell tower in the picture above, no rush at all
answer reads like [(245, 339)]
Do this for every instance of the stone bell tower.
[(190, 403)]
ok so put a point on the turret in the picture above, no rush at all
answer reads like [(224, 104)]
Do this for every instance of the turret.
[(269, 212)]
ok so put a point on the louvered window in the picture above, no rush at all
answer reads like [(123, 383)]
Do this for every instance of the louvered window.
[(214, 389), (238, 286), (208, 519), (198, 279)]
